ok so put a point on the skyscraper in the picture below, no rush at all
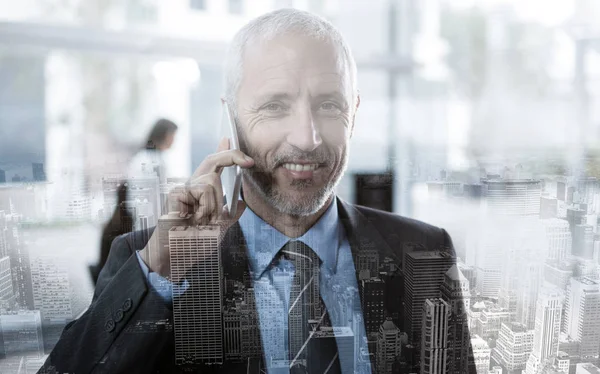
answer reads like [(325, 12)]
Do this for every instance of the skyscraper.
[(561, 191), (582, 315), (424, 274), (7, 295), (198, 320), (547, 328), (583, 241), (547, 322), (39, 175), (388, 346), (587, 188), (2, 176), (434, 341), (455, 292), (51, 296), (559, 238), (373, 299)]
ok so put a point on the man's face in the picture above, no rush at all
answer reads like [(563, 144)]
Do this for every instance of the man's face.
[(295, 115)]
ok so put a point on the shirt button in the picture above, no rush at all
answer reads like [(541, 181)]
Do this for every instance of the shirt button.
[(109, 326), (127, 305), (119, 315)]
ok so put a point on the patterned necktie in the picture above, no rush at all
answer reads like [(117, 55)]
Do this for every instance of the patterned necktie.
[(306, 313)]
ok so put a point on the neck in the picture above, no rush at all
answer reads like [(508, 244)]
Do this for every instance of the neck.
[(289, 225)]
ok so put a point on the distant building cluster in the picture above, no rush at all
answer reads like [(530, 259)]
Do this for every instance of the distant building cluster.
[(533, 272)]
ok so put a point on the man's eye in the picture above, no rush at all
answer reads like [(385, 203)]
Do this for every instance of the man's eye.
[(273, 107), (329, 107)]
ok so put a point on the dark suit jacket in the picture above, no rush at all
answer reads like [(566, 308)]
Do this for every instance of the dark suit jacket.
[(128, 328)]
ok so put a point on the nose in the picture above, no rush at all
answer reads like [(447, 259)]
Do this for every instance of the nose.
[(305, 132)]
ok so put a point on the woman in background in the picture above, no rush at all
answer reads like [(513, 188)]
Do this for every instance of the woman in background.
[(147, 161)]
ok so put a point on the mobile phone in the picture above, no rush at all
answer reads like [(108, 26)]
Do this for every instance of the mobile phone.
[(231, 177)]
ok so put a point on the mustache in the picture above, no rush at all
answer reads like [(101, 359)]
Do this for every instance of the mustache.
[(318, 156)]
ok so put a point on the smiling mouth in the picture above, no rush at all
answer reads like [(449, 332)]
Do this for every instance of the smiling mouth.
[(300, 167)]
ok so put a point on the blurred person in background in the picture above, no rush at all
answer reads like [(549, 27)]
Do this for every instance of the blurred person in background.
[(147, 160)]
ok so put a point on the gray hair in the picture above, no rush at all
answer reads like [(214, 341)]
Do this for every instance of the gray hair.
[(272, 24)]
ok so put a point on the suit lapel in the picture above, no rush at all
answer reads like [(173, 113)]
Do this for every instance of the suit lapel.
[(361, 233)]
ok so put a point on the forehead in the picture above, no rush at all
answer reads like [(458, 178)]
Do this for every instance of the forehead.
[(293, 61)]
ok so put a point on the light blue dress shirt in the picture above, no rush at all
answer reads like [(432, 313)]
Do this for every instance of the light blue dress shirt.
[(338, 285)]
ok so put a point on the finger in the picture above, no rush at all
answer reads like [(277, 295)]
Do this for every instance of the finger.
[(189, 200), (215, 162), (206, 206)]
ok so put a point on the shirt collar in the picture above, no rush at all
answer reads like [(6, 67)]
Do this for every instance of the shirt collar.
[(264, 241)]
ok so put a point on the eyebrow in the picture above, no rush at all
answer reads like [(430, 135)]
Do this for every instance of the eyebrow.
[(286, 96)]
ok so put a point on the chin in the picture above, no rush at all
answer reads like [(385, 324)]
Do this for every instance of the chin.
[(299, 204)]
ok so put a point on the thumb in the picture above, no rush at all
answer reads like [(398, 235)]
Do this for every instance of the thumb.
[(241, 207)]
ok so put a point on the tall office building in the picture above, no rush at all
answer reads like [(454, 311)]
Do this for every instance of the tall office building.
[(481, 354), (561, 191), (434, 340), (373, 300), (575, 216), (51, 296), (582, 315), (19, 262), (583, 241), (423, 277), (559, 238), (513, 346), (39, 175), (7, 295), (455, 292), (198, 321), (389, 345), (232, 334), (2, 176), (21, 334), (547, 328), (587, 189), (519, 197)]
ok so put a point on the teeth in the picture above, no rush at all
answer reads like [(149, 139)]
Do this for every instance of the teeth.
[(298, 167)]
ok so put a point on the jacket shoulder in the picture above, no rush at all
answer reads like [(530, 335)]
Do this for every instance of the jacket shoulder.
[(398, 230)]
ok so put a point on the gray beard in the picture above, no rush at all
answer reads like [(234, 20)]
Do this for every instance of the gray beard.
[(262, 182)]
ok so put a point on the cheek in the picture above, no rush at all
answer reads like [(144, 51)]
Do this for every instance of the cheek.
[(335, 136)]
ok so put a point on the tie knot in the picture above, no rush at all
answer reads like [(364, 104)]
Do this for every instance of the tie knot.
[(299, 253)]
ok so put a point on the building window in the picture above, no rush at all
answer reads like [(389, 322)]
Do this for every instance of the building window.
[(198, 4), (236, 6)]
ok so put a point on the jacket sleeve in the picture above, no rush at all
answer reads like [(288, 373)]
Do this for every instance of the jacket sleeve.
[(123, 313)]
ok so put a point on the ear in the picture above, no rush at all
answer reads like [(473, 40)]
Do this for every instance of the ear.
[(354, 115)]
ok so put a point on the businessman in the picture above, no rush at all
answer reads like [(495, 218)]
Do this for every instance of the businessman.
[(300, 281)]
